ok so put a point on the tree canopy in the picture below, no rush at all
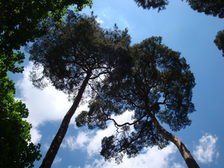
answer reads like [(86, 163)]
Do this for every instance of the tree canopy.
[(209, 7), (17, 150), (147, 4), (73, 56), (22, 21), (157, 86), (79, 46), (219, 41)]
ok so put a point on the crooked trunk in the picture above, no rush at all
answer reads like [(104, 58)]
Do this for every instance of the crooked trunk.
[(190, 161), (52, 151)]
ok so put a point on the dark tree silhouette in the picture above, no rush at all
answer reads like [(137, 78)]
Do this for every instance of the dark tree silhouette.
[(209, 7), (219, 41), (73, 56), (157, 87), (17, 150), (147, 4), (20, 24)]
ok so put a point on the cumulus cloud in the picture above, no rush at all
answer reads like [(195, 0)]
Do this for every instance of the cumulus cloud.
[(99, 20), (44, 105), (45, 146), (35, 135), (48, 104), (94, 145), (91, 140), (76, 142), (205, 151), (177, 165), (151, 158), (70, 166), (57, 160)]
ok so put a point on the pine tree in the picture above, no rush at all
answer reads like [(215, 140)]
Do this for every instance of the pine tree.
[(73, 56), (157, 88)]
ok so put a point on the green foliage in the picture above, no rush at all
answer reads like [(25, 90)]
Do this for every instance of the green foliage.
[(157, 84), (11, 63), (21, 22), (73, 56), (219, 41), (17, 151), (78, 47), (209, 7), (147, 4)]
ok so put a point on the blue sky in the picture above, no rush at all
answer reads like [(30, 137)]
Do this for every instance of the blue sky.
[(183, 30)]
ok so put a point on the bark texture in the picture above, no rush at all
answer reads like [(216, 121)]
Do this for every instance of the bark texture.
[(188, 158), (52, 151)]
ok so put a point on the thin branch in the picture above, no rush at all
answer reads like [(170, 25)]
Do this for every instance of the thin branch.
[(133, 139), (99, 74), (126, 123)]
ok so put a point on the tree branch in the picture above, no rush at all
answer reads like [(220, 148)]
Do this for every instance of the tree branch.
[(126, 123)]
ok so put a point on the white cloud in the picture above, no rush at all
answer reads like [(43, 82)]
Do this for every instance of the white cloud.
[(91, 140), (57, 160), (78, 142), (206, 151), (45, 146), (94, 145), (44, 105), (99, 20), (106, 15), (70, 166), (35, 135), (151, 158), (177, 165), (48, 104)]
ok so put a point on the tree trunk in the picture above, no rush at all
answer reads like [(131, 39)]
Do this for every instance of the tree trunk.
[(52, 151), (188, 158)]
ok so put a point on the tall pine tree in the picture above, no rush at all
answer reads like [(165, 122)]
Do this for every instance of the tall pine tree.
[(73, 56), (158, 88)]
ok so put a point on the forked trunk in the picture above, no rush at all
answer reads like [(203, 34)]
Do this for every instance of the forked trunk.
[(188, 158), (52, 151)]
